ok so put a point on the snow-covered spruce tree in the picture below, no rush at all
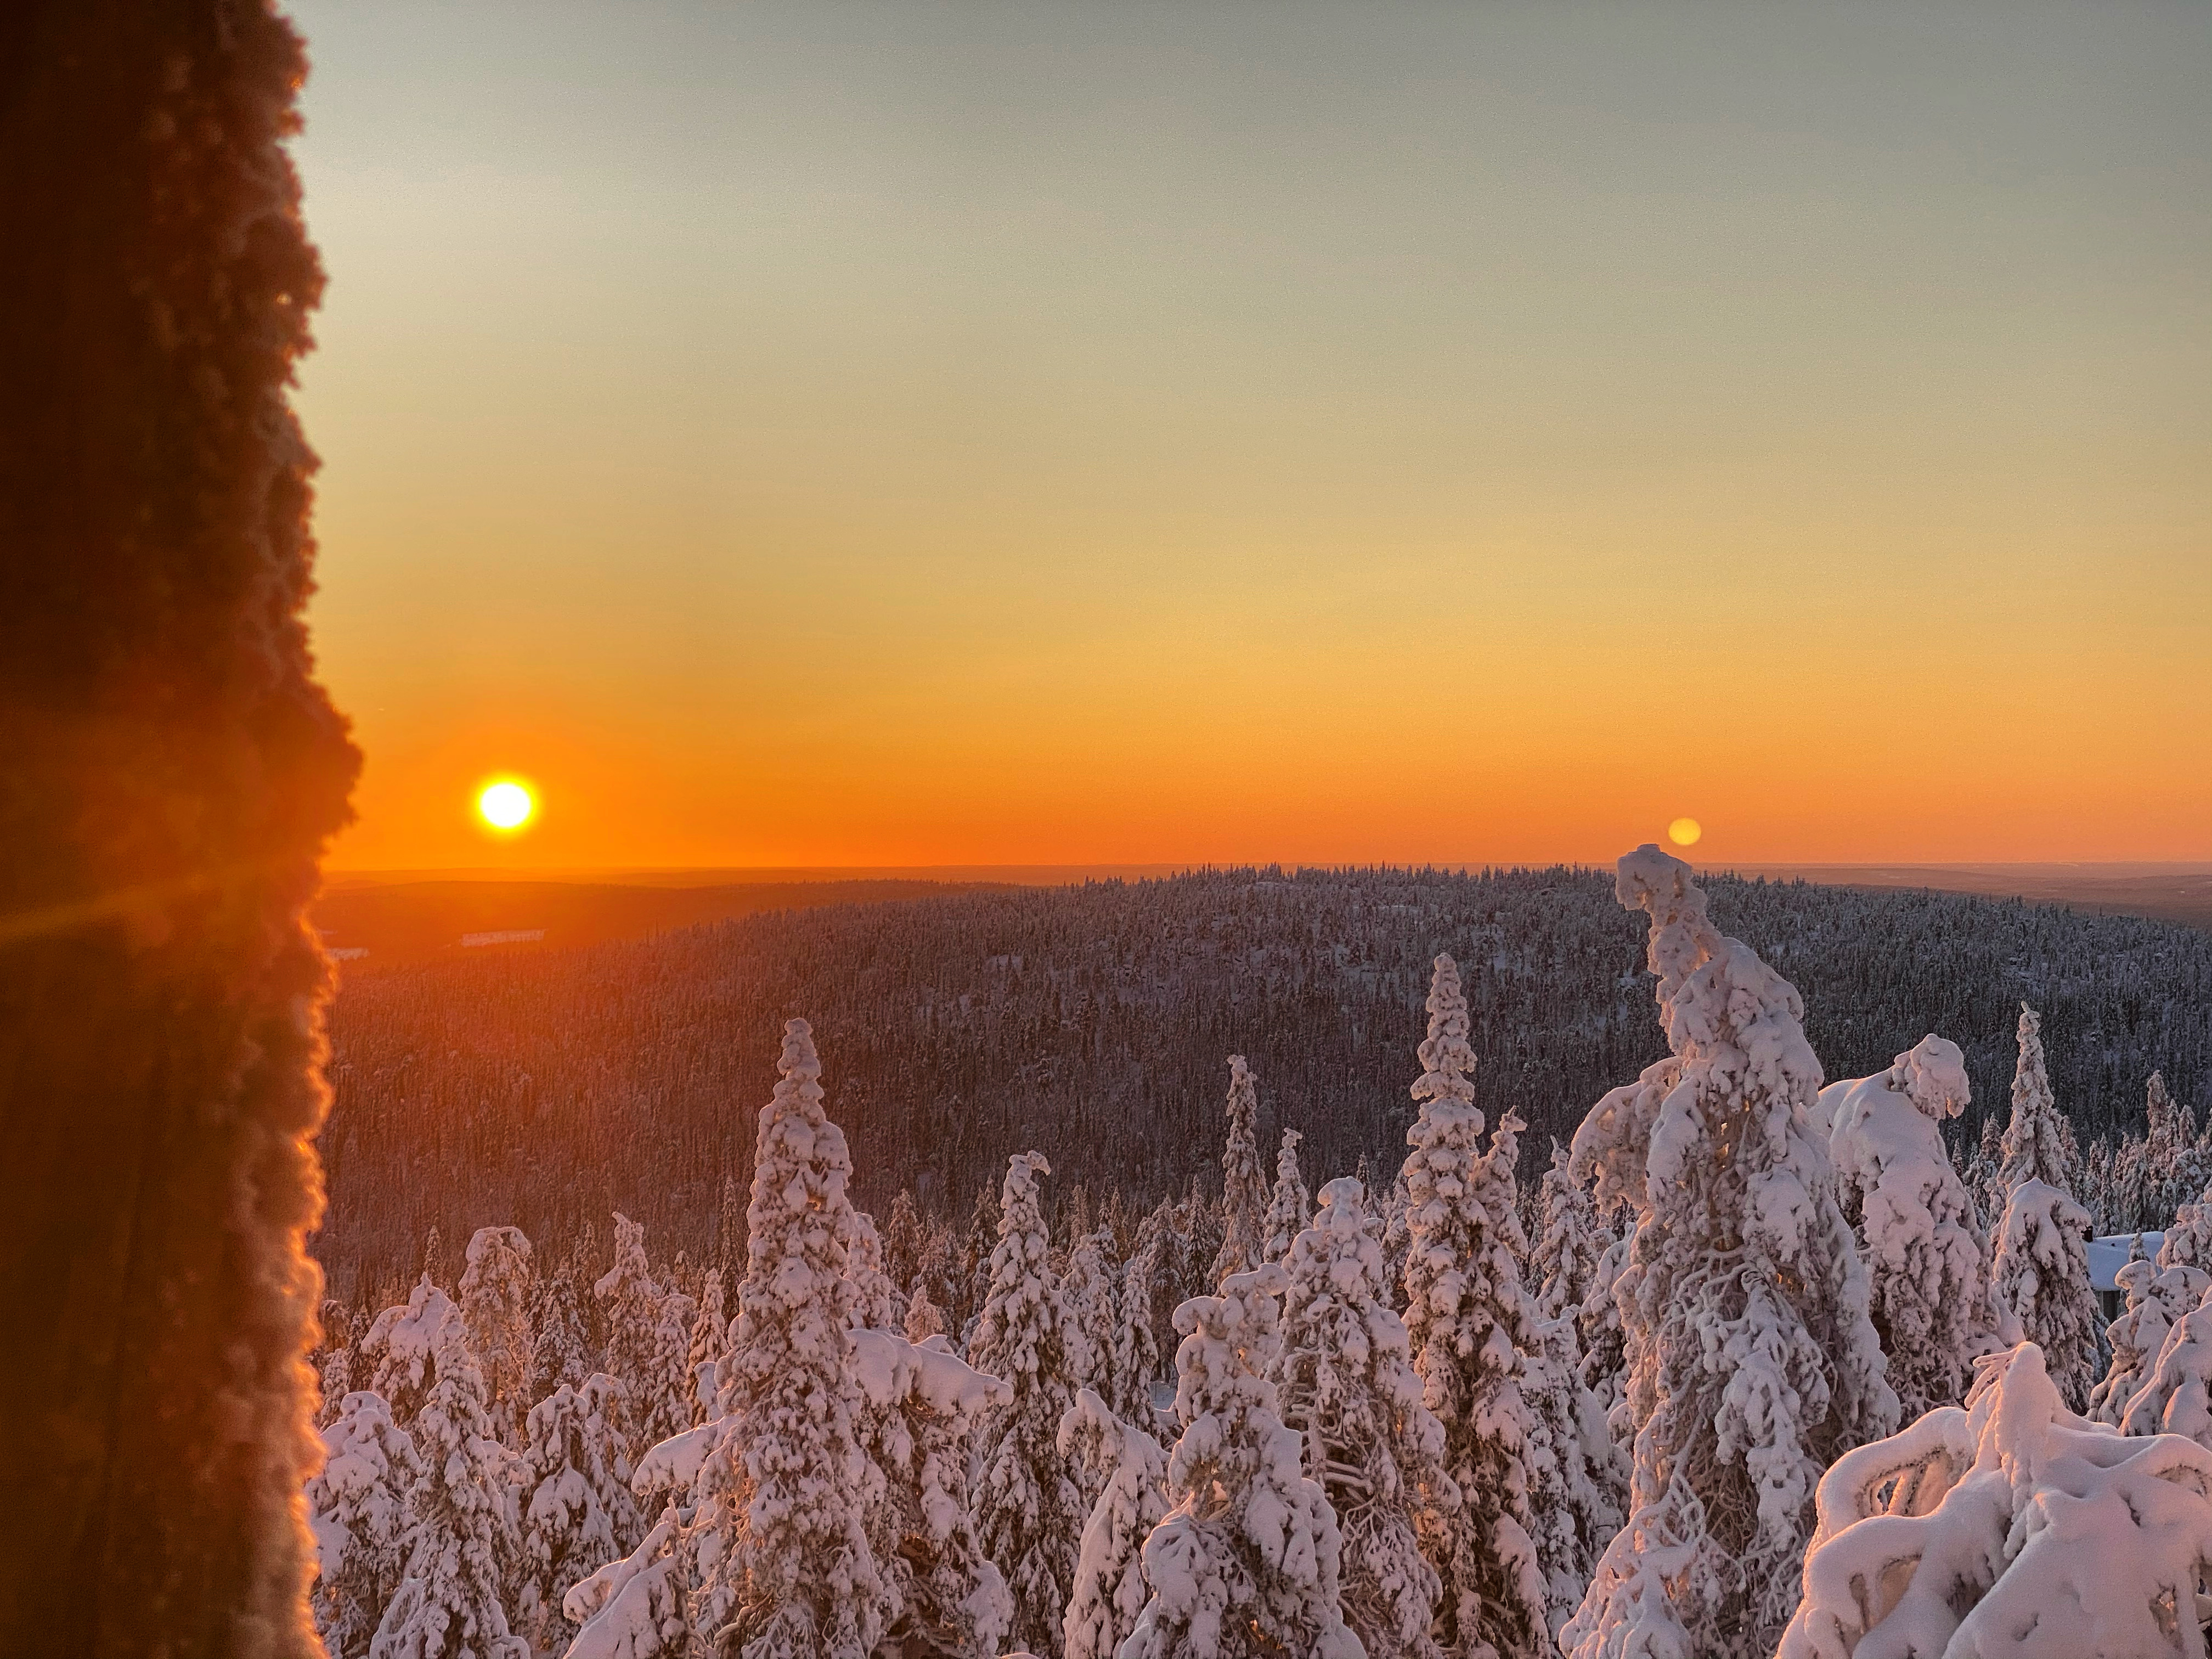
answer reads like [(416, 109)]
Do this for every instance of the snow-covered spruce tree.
[(1470, 1322), (2157, 1298), (578, 1515), (1928, 1298), (1029, 1510), (1133, 1359), (1344, 1376), (663, 1401), (981, 1238), (558, 1352), (763, 1549), (879, 1303), (924, 1318), (2036, 1142), (2173, 1162), (782, 1495), (495, 1301), (1577, 1478), (2042, 1281), (169, 771), (906, 1240), (357, 1506), (1243, 1190), (2176, 1397), (2188, 1240), (400, 1357), (1751, 1364), (1246, 1563), (1290, 1207), (631, 1300), (1564, 1259), (460, 1540), (710, 1341), (1604, 1342), (1130, 1472), (1087, 1294), (923, 1406), (332, 1363), (2009, 1528)]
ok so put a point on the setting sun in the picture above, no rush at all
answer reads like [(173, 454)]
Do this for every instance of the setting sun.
[(1683, 832), (506, 805)]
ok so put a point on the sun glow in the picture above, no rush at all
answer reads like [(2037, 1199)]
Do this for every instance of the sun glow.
[(1684, 832), (506, 805)]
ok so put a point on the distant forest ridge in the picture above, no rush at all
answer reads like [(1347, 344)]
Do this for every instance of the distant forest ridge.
[(544, 1088)]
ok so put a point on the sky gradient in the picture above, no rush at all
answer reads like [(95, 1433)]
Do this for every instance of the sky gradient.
[(909, 435)]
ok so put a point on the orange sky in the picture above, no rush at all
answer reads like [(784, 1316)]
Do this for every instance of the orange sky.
[(828, 435)]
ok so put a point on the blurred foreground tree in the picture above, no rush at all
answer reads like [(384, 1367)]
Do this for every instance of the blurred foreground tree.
[(169, 771)]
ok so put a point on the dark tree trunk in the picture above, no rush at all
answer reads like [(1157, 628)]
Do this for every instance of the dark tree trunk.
[(169, 772)]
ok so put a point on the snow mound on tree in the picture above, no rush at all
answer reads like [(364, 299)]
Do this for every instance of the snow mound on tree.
[(2009, 1528)]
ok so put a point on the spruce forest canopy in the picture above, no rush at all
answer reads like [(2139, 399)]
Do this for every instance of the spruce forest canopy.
[(545, 1088)]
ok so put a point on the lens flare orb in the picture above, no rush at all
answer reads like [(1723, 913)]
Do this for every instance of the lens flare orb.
[(1684, 832), (506, 805)]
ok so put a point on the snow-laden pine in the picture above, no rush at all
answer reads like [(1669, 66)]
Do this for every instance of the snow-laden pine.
[(2037, 1145), (1134, 1361), (1577, 1477), (357, 1507), (2188, 1241), (770, 1557), (495, 1300), (399, 1358), (1470, 1322), (1345, 1380), (879, 1305), (1029, 1510), (941, 1594), (1930, 1297), (2008, 1529), (577, 1513), (1244, 1189), (1290, 1206), (1129, 1471), (460, 1539), (924, 1318), (560, 1346), (1087, 1294), (1246, 1563), (710, 1341), (1751, 1361), (783, 1489), (2042, 1282), (1562, 1263)]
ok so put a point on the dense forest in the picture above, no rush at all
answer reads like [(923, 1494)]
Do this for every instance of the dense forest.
[(546, 1088)]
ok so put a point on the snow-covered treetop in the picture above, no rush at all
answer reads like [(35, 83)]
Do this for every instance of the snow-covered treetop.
[(1932, 1075), (1229, 1342), (487, 1245), (1446, 1056), (407, 1345), (1737, 1030), (800, 1227), (1244, 1191), (1290, 1205), (2035, 1141), (631, 1275)]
